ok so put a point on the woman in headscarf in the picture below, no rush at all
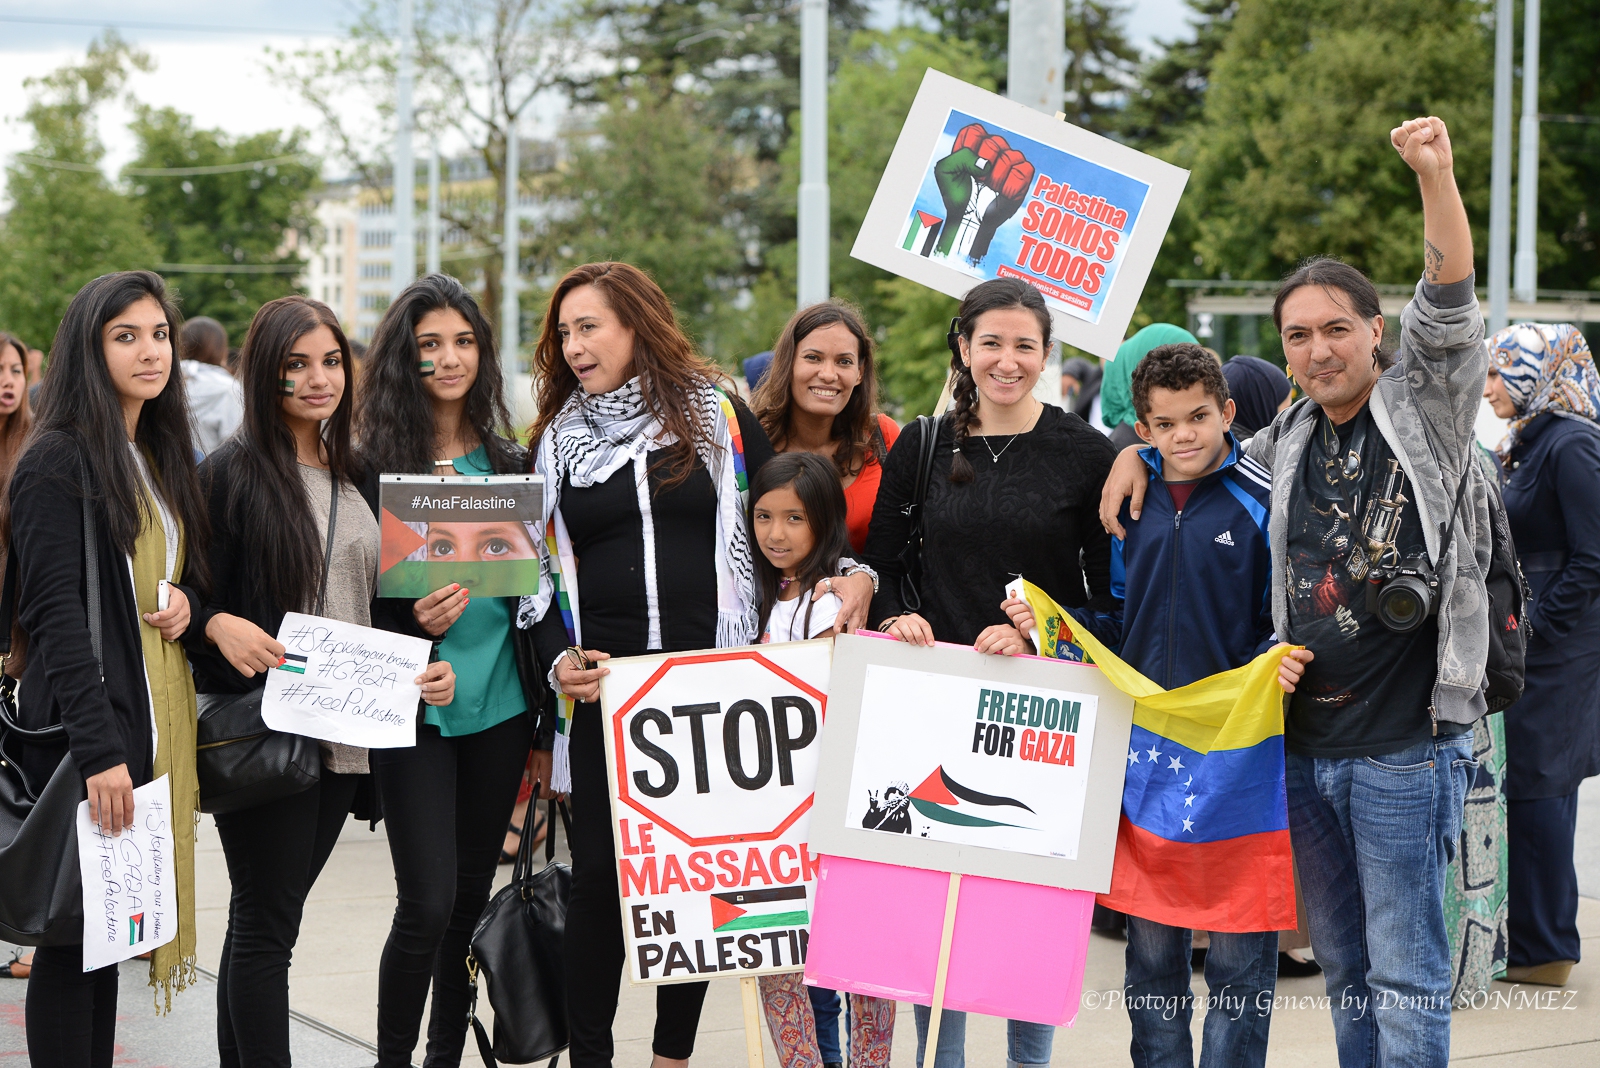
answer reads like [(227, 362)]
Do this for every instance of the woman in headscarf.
[(1260, 390), (1116, 387), (1543, 379)]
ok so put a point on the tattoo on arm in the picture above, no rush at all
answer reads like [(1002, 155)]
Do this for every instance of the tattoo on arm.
[(1432, 260)]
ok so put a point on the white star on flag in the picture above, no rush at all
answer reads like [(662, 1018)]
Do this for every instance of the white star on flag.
[(1154, 753), (1176, 765), (1189, 782), (1133, 757), (1188, 802), (1188, 825)]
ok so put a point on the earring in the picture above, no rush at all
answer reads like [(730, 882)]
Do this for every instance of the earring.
[(425, 368)]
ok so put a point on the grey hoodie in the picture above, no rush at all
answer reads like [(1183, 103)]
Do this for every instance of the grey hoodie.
[(1425, 406)]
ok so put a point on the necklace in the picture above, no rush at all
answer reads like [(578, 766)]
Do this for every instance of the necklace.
[(785, 583), (995, 456)]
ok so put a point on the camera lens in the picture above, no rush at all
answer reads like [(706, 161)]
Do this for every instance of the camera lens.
[(1403, 603)]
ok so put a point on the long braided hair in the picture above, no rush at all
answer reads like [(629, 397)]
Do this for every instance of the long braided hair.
[(996, 295)]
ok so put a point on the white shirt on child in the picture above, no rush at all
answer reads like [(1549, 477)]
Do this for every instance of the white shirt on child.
[(787, 622)]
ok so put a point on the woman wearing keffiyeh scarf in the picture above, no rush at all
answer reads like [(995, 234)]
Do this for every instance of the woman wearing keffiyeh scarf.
[(646, 460), (1543, 379)]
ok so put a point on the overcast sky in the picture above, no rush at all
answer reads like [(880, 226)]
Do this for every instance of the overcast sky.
[(210, 58)]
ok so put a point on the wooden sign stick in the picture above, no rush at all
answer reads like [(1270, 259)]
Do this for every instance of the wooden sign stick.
[(751, 993), (930, 1056)]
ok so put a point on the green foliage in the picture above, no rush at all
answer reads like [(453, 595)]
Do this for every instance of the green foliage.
[(1569, 157), (66, 226), (656, 185), (1171, 88), (982, 24), (236, 218), (1292, 156), (913, 360)]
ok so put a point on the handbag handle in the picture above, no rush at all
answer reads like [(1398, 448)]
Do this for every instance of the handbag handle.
[(911, 555), (91, 572), (327, 549), (522, 870)]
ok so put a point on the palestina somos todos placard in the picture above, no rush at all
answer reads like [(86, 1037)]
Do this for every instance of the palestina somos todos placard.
[(995, 203)]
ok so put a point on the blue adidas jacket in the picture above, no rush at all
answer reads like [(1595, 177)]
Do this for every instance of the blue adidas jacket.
[(1194, 584)]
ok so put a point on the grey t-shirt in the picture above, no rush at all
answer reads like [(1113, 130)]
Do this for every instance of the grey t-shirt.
[(352, 578)]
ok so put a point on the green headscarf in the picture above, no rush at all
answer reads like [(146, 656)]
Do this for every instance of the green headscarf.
[(1116, 389)]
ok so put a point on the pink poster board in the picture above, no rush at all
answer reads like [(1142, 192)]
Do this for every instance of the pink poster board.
[(1019, 949)]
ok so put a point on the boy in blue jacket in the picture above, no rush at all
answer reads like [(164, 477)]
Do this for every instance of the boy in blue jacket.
[(1192, 575)]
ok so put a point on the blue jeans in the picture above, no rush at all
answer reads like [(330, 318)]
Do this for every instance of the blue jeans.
[(1242, 972), (1373, 837), (825, 1010), (1026, 1043)]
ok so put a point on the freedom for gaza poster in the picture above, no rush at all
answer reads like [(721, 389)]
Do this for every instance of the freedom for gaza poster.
[(980, 187), (713, 760)]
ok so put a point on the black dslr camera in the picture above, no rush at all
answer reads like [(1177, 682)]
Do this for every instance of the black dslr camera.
[(1404, 594)]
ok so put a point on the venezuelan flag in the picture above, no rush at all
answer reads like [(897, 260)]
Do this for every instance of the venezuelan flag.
[(1204, 837)]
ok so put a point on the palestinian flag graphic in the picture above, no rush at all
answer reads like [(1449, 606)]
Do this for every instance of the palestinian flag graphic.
[(943, 799), (922, 230), (135, 928), (294, 663), (751, 910)]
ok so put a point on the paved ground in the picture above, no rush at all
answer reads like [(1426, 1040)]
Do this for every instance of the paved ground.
[(333, 988)]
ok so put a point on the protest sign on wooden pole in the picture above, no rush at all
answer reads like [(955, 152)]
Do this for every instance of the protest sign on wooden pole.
[(750, 994), (942, 971)]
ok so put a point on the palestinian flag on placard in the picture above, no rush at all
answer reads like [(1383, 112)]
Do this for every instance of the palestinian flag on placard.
[(135, 928), (294, 663), (750, 910), (922, 229), (943, 799)]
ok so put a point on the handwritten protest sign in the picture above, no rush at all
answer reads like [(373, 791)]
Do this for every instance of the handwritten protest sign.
[(344, 683), (713, 759), (130, 903), (479, 530), (981, 187)]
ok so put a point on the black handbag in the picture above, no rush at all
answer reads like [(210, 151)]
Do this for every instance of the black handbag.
[(241, 762), (41, 888), (911, 555), (517, 947)]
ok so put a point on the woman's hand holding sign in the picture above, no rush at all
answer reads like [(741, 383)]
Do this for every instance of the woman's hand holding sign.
[(438, 683), (246, 646), (437, 611)]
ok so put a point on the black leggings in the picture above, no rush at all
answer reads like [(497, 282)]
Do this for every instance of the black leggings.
[(275, 852), (71, 1014), (594, 948), (446, 803)]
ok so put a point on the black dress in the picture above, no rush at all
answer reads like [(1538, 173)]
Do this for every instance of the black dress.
[(1035, 512), (607, 534)]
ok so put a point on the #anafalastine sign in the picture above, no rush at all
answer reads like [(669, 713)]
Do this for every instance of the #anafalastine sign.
[(981, 187), (713, 759)]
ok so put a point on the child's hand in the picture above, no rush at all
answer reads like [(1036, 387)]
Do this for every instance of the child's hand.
[(911, 629), (1021, 616), (1002, 640), (1293, 668)]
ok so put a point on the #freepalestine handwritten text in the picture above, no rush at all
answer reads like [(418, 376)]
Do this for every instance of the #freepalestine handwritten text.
[(345, 683)]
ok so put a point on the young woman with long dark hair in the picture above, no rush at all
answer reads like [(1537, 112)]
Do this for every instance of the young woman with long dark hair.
[(14, 409), (820, 395), (271, 492), (634, 435), (433, 402), (1015, 490), (113, 430)]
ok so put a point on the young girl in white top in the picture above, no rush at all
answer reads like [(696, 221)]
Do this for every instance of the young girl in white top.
[(797, 521)]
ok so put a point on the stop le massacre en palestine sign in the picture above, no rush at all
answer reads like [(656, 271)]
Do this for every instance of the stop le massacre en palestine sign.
[(713, 762)]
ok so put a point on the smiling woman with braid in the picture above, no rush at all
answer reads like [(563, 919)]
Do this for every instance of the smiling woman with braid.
[(1014, 490)]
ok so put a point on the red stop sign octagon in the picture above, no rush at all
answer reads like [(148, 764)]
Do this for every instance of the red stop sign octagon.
[(719, 747)]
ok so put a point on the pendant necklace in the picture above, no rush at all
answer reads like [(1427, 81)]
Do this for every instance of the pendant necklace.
[(995, 456)]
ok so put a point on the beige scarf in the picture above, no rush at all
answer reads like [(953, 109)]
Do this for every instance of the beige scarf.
[(172, 966)]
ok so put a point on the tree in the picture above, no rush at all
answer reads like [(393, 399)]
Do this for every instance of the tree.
[(238, 218), (1569, 166), (650, 183), (67, 225), (1292, 156), (478, 64), (1170, 90)]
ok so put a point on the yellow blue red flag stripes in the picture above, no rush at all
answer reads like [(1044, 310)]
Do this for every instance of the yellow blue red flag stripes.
[(1203, 841)]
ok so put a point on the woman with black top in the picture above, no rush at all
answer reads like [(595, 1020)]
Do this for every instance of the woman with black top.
[(634, 433), (1015, 489), (113, 429), (432, 402), (271, 490)]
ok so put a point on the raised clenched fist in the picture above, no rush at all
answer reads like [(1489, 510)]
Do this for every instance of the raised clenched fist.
[(1425, 146)]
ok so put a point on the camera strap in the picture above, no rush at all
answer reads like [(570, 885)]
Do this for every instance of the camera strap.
[(1448, 537)]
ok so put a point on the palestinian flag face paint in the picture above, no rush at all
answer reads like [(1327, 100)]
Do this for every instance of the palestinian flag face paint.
[(286, 386), (425, 368), (754, 910), (944, 800)]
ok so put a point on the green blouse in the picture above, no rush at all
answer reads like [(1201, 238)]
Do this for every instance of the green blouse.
[(478, 647)]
